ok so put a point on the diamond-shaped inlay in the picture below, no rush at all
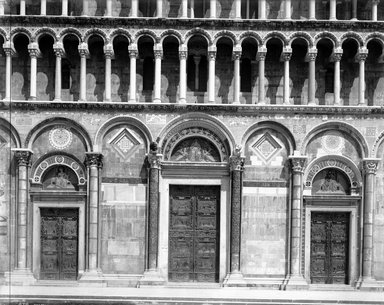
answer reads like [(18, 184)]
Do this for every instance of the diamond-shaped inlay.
[(266, 146), (125, 143)]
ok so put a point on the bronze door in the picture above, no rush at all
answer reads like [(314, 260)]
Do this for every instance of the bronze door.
[(329, 248), (59, 244), (194, 233)]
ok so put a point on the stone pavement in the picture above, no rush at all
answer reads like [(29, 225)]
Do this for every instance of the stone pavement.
[(34, 295)]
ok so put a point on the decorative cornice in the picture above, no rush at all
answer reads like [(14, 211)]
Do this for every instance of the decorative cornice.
[(370, 166)]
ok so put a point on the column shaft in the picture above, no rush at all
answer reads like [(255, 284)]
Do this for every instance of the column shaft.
[(332, 10), (286, 57), (85, 8), (134, 8), (159, 8), (262, 9), (58, 78), (213, 9), (33, 49), (211, 81), (108, 53), (362, 82), (354, 9), (236, 57), (183, 75), (83, 51), (184, 9), (311, 58), (43, 7), (336, 83), (64, 7), (22, 7), (9, 52), (374, 9), (158, 57), (133, 52), (287, 9), (108, 11), (312, 9), (261, 54), (238, 9)]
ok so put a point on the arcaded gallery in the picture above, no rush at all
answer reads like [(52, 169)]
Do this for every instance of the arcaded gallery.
[(221, 143)]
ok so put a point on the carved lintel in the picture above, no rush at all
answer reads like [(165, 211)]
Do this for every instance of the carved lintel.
[(298, 163), (370, 166), (23, 156), (93, 159)]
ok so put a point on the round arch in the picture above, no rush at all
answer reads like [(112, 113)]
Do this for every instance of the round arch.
[(198, 32), (301, 35), (103, 129), (120, 32), (70, 31), (3, 34), (9, 129), (172, 33), (44, 31), (354, 36), (277, 35), (227, 34), (214, 129), (39, 128), (278, 127), (21, 31), (252, 35), (374, 36), (97, 32), (326, 35), (146, 32), (340, 126)]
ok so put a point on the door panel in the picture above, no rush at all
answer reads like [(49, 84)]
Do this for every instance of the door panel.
[(193, 233), (59, 242), (329, 248)]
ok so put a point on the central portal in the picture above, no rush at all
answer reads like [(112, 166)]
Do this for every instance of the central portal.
[(194, 233)]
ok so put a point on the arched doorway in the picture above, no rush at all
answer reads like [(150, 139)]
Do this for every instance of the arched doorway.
[(332, 207)]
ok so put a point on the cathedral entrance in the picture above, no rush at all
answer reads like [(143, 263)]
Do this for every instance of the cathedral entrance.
[(59, 243), (329, 247), (194, 233)]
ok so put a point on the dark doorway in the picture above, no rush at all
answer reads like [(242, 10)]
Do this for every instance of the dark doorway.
[(194, 233), (59, 244), (329, 247)]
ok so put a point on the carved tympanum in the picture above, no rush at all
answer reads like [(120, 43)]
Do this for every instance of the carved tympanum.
[(196, 149)]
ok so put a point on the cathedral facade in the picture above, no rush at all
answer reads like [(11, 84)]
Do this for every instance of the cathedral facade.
[(226, 143)]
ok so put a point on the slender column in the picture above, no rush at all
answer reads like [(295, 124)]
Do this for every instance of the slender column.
[(108, 11), (312, 9), (287, 9), (336, 58), (84, 53), (133, 54), (286, 57), (93, 161), (213, 9), (85, 8), (34, 52), (211, 81), (192, 9), (158, 51), (238, 9), (9, 51), (23, 157), (22, 7), (375, 3), (370, 168), (58, 48), (298, 163), (154, 160), (159, 8), (183, 54), (64, 7), (236, 163), (196, 60), (43, 7), (134, 8), (354, 9), (361, 57), (1, 7), (184, 9), (261, 54), (262, 9), (311, 59), (108, 54), (236, 58), (332, 10)]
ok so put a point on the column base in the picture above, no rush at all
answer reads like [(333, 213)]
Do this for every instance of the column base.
[(311, 104), (151, 278), (92, 278), (235, 279), (182, 101), (296, 283), (130, 101), (157, 101), (20, 277), (370, 284)]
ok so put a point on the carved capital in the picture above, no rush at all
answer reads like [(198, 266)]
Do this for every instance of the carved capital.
[(286, 54), (133, 51), (236, 163), (83, 49), (261, 53), (93, 159), (298, 163), (336, 55), (158, 51), (370, 166), (361, 55), (311, 55), (9, 48), (154, 160), (183, 55), (236, 53), (58, 48), (108, 51), (22, 156), (33, 49)]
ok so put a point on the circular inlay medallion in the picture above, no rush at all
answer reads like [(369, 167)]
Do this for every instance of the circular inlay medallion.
[(333, 142), (60, 137)]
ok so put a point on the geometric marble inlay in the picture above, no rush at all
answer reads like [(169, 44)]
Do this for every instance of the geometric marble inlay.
[(333, 142), (266, 147), (125, 143)]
